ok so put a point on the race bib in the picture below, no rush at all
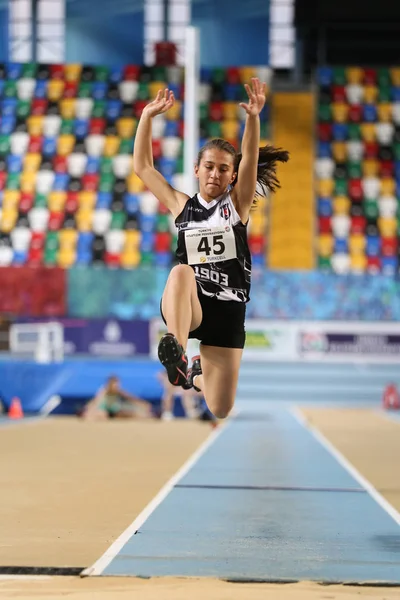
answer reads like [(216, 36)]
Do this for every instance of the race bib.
[(210, 245)]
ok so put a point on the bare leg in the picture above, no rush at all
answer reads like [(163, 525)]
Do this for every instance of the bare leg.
[(220, 368)]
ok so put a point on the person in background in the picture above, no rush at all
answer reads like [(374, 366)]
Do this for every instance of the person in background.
[(112, 402)]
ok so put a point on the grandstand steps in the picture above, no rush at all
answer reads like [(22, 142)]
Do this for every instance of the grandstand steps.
[(291, 236)]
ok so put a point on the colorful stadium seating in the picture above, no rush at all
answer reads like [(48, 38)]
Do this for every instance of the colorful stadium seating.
[(357, 169), (68, 193)]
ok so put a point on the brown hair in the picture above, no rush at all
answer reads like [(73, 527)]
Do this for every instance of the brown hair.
[(268, 158)]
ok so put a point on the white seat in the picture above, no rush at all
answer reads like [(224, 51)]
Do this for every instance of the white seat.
[(324, 168), (354, 93), (172, 227), (158, 127), (83, 108), (170, 146), (38, 219), (128, 91), (44, 181), (25, 88), (6, 256), (264, 74), (21, 238), (341, 225), (204, 93), (384, 133), (19, 142), (148, 203), (115, 241), (179, 182), (101, 221), (76, 163), (51, 125), (355, 150), (396, 112), (122, 165), (371, 187), (175, 74), (340, 263), (94, 144), (387, 206)]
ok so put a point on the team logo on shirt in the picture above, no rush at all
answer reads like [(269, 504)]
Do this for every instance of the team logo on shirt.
[(225, 211)]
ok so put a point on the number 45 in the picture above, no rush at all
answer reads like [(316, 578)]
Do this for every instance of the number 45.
[(217, 248)]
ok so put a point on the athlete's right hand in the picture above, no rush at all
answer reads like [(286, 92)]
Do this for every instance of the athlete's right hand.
[(162, 102)]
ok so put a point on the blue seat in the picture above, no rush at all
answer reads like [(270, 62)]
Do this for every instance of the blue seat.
[(147, 224), (61, 181), (232, 92), (340, 131), (324, 76), (99, 90), (41, 89), (14, 163), (324, 149), (20, 257), (113, 109), (264, 114), (205, 74), (2, 82), (147, 241), (13, 70), (131, 203), (370, 113), (93, 164), (341, 245), (397, 169), (163, 259), (324, 207), (167, 166), (83, 257), (258, 260), (176, 89), (84, 241), (116, 74), (395, 93), (49, 147), (81, 128), (373, 245), (7, 124), (104, 200), (171, 129), (9, 106), (389, 265)]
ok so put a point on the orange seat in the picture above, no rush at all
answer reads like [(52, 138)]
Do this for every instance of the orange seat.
[(368, 132), (8, 220), (370, 94), (230, 129), (84, 218), (385, 111), (67, 108), (358, 262), (325, 244), (28, 181), (65, 144), (246, 73), (354, 74), (341, 205), (230, 110), (154, 86), (130, 259), (134, 183), (339, 151), (35, 125), (387, 226), (325, 187), (340, 111), (55, 89), (370, 167), (32, 162), (11, 199), (68, 238), (132, 239), (111, 145), (357, 243), (388, 186), (72, 72), (395, 75), (66, 257), (126, 127), (87, 199), (174, 113), (56, 201)]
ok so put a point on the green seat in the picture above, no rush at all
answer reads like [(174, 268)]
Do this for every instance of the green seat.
[(371, 209), (13, 181), (214, 129), (106, 182), (340, 187), (147, 258), (10, 89), (324, 262), (354, 131), (40, 201), (324, 113), (339, 76), (50, 256), (67, 126), (106, 165), (143, 91), (162, 223), (159, 73), (218, 76), (398, 210), (118, 220), (99, 109), (23, 109), (384, 94), (29, 70), (203, 111), (384, 79), (264, 129), (354, 170), (85, 89), (126, 146), (101, 73), (179, 164), (5, 145), (396, 150), (51, 242)]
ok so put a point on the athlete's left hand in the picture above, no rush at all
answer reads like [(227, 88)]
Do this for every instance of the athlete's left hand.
[(256, 94)]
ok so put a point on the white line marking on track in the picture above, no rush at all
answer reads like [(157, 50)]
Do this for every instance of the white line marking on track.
[(101, 564), (29, 577), (346, 464)]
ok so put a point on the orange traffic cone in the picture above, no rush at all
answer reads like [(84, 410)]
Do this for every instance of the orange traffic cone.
[(15, 411), (391, 397)]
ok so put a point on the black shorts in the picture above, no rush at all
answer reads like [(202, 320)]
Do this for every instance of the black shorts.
[(222, 324)]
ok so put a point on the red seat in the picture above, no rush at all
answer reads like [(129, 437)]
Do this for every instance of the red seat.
[(132, 72), (256, 244), (56, 220), (355, 189), (3, 179), (324, 225), (90, 182), (373, 264), (370, 76), (138, 107), (35, 144), (39, 106), (216, 113), (56, 71), (162, 242), (26, 202), (355, 113), (112, 260), (35, 256), (357, 224), (181, 129), (389, 246), (157, 150), (37, 240), (162, 209), (325, 132), (386, 168), (339, 93), (97, 125), (70, 89), (72, 203), (233, 75), (60, 164), (371, 149)]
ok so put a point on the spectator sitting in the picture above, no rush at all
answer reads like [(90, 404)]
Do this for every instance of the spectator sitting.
[(112, 402)]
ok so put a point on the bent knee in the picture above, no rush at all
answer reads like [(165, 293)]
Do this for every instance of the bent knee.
[(220, 410), (181, 271)]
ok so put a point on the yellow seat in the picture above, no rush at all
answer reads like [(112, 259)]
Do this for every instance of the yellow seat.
[(56, 201), (358, 262), (8, 220), (87, 199), (387, 226), (385, 111), (154, 86), (230, 129), (395, 75), (357, 243), (325, 244), (132, 239), (388, 186), (339, 151), (175, 112), (11, 199), (65, 144), (111, 145), (246, 73), (370, 167), (66, 257), (341, 205), (55, 89), (368, 132), (229, 110), (134, 183), (32, 162), (67, 108), (340, 111), (67, 238), (126, 127), (35, 125), (354, 75), (84, 219), (370, 94), (130, 259), (72, 72), (28, 182), (325, 187)]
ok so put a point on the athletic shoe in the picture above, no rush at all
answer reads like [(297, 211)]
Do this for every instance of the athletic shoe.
[(194, 370), (172, 356)]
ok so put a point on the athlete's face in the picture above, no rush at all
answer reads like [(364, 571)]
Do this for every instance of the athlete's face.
[(215, 172)]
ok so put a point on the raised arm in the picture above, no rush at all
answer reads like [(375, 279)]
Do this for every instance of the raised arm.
[(143, 164), (244, 191)]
